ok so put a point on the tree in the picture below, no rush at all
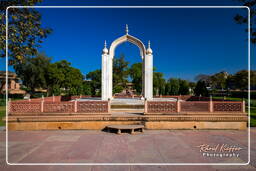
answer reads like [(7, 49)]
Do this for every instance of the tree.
[(219, 80), (120, 73), (86, 88), (192, 86), (33, 72), (61, 76), (158, 83), (172, 87), (243, 19), (25, 31), (200, 89), (135, 72), (204, 77), (183, 87), (95, 81), (241, 79)]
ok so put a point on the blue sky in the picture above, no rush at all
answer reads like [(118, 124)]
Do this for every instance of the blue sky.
[(185, 42)]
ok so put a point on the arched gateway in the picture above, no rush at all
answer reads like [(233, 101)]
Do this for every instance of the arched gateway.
[(107, 66)]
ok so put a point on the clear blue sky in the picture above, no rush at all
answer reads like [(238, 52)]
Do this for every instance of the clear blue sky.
[(185, 42)]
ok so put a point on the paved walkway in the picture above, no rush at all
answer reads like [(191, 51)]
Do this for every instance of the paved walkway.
[(85, 146)]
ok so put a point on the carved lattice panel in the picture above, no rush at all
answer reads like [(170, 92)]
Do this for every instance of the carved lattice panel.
[(194, 106), (59, 107), (228, 107), (161, 107), (25, 107), (92, 107)]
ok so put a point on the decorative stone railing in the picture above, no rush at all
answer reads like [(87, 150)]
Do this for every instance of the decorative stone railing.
[(190, 106), (160, 107), (24, 107), (83, 107), (170, 107)]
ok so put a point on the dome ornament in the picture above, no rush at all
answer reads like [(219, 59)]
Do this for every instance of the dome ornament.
[(126, 29)]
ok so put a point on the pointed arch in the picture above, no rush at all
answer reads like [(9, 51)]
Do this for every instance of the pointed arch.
[(130, 39)]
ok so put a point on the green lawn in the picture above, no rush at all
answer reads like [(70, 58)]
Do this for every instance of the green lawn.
[(2, 114), (253, 116), (253, 101)]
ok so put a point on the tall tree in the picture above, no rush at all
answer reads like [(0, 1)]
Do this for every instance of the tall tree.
[(243, 19), (241, 79), (95, 81), (25, 31), (61, 76), (205, 78), (184, 87), (33, 72), (172, 87), (200, 89), (86, 88), (120, 73), (219, 80), (135, 72), (158, 83)]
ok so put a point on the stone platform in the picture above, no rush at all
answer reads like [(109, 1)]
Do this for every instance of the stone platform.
[(55, 121)]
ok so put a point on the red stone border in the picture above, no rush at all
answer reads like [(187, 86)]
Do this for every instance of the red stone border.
[(90, 107), (162, 107)]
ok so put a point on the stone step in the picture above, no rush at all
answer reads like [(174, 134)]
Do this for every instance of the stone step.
[(127, 106), (127, 110)]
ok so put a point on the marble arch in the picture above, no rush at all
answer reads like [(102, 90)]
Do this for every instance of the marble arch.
[(107, 66)]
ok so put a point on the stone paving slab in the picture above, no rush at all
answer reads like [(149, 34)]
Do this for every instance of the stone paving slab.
[(154, 146)]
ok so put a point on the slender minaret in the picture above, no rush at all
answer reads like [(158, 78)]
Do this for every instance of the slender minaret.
[(148, 82), (104, 75)]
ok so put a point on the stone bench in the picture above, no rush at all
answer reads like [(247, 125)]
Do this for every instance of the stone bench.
[(120, 128)]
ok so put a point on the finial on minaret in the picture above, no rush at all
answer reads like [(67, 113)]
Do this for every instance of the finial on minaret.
[(105, 44), (105, 49), (126, 29), (149, 50)]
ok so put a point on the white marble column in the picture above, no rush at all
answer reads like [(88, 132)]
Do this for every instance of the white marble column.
[(110, 77), (148, 77), (104, 73)]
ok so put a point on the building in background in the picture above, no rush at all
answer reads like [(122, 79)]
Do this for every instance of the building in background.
[(14, 83)]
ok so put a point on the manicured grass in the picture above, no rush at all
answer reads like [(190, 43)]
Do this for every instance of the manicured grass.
[(253, 116), (2, 114)]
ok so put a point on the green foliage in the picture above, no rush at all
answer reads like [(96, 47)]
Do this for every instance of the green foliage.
[(86, 88), (95, 81), (25, 31), (118, 89), (33, 72), (201, 90), (241, 79), (135, 72), (219, 80), (172, 87), (120, 73), (184, 87), (243, 19), (62, 78), (158, 83), (2, 115), (223, 80)]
